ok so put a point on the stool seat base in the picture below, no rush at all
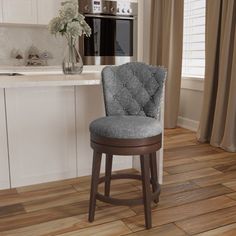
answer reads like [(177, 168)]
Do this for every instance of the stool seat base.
[(146, 148)]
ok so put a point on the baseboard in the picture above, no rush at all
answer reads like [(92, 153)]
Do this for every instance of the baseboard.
[(188, 123), (196, 84), (4, 185)]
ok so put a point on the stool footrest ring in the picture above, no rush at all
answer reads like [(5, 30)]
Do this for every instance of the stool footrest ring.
[(121, 176), (124, 202)]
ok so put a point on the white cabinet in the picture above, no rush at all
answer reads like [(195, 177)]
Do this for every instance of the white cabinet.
[(4, 168), (20, 11), (28, 11), (90, 106), (47, 9), (1, 10), (41, 131)]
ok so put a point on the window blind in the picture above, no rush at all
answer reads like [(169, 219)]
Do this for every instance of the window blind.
[(194, 38)]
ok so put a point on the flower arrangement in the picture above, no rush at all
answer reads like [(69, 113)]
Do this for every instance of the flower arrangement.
[(70, 23)]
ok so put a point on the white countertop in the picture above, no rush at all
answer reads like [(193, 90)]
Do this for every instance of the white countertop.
[(48, 76), (43, 69)]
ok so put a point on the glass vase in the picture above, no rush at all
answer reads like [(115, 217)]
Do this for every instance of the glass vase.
[(72, 63)]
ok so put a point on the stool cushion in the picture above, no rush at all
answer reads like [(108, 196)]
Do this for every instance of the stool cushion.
[(126, 127)]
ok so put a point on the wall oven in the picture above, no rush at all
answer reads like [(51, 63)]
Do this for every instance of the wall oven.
[(114, 31)]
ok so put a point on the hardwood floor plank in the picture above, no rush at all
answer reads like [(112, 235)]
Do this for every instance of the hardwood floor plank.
[(187, 197), (228, 230), (209, 221), (178, 144), (69, 224), (194, 150), (55, 201), (7, 192), (177, 131), (182, 212), (165, 173), (192, 196), (181, 168), (41, 216), (177, 178), (231, 184), (215, 179), (232, 196), (115, 228), (176, 162), (165, 230), (214, 156), (11, 210), (36, 195), (220, 164), (169, 189), (226, 167)]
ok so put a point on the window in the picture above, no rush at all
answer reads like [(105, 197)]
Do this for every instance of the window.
[(194, 39)]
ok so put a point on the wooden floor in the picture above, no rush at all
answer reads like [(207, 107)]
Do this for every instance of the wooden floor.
[(198, 198)]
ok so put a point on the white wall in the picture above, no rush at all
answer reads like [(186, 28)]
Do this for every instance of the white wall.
[(23, 37), (191, 98)]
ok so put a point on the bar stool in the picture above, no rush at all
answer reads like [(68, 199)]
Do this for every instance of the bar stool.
[(132, 95)]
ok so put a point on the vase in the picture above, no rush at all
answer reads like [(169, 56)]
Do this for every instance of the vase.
[(72, 63)]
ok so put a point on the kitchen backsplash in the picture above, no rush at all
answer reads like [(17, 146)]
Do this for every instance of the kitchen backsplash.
[(22, 38)]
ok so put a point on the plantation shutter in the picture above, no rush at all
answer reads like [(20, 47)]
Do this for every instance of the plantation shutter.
[(194, 38)]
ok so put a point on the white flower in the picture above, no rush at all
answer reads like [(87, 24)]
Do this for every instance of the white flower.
[(74, 29), (75, 2), (70, 22), (69, 11), (56, 25), (86, 28)]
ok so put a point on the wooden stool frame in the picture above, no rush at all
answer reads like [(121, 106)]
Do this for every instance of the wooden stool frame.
[(146, 148)]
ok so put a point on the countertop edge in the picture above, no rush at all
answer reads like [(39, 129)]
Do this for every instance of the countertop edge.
[(92, 78)]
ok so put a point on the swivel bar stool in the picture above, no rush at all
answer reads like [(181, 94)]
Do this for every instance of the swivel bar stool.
[(132, 95)]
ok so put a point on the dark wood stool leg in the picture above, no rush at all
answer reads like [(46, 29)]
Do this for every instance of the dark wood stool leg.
[(108, 172), (154, 176), (145, 172), (97, 157)]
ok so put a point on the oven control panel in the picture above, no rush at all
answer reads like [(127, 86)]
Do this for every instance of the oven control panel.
[(97, 6), (108, 7)]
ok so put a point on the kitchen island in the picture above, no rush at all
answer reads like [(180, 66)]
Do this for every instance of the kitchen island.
[(44, 120)]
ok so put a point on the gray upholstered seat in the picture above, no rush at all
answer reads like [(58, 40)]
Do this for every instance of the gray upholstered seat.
[(126, 127), (132, 95)]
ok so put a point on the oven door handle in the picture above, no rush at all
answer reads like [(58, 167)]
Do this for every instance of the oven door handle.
[(111, 17)]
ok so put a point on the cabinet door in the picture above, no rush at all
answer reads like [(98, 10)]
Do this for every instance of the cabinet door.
[(4, 168), (41, 131), (90, 106), (47, 9), (0, 11), (20, 11)]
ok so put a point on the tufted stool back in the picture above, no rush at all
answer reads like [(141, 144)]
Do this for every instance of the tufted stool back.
[(133, 89)]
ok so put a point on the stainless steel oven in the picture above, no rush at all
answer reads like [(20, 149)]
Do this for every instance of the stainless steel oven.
[(114, 31)]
